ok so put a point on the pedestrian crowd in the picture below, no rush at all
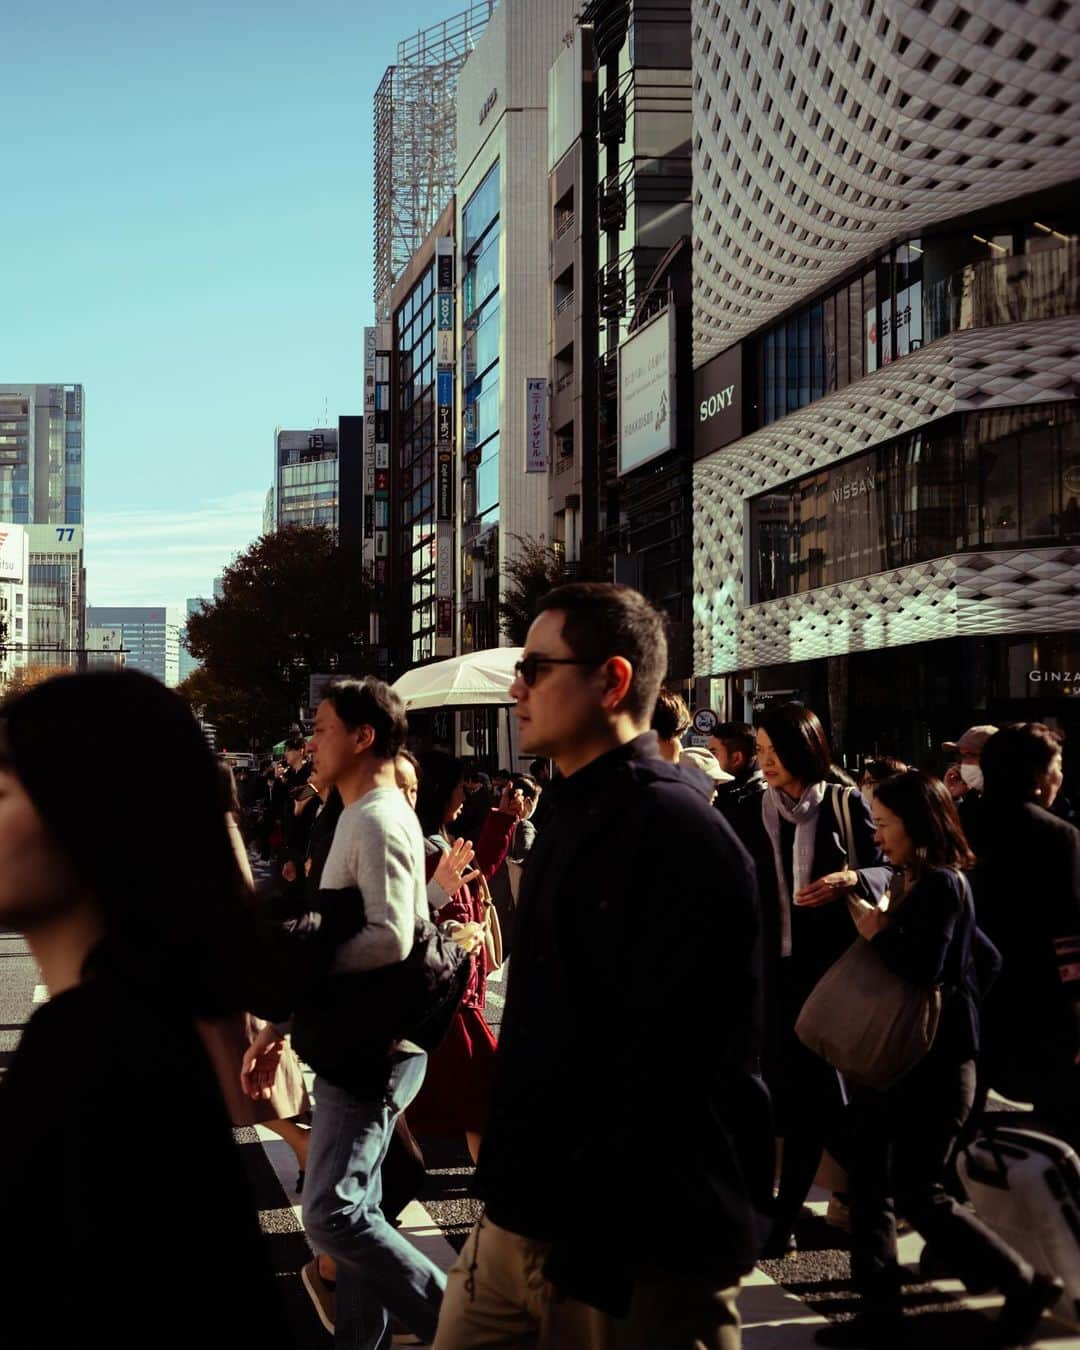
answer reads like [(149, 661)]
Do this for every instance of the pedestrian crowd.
[(725, 968)]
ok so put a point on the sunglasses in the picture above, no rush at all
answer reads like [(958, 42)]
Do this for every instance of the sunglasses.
[(529, 667)]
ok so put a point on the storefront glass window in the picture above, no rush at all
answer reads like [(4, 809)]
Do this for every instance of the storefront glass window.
[(968, 482)]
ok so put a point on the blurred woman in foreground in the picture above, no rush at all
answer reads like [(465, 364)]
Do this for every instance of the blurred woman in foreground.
[(117, 1231)]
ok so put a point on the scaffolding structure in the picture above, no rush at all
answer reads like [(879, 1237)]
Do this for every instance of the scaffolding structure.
[(415, 140)]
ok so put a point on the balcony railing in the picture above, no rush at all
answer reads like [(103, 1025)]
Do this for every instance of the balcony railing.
[(564, 381), (565, 303), (1004, 290), (564, 223)]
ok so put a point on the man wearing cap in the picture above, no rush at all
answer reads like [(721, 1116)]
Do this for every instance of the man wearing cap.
[(968, 751)]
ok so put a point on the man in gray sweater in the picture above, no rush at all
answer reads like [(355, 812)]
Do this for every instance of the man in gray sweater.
[(378, 848)]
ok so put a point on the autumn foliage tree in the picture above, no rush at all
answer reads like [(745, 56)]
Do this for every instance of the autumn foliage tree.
[(295, 604)]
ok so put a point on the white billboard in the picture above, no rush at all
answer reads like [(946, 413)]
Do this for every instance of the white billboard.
[(12, 552), (55, 538), (647, 392)]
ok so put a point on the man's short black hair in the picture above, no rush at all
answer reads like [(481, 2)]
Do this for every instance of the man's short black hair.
[(604, 620), (295, 743), (737, 736), (369, 702), (671, 716), (527, 784)]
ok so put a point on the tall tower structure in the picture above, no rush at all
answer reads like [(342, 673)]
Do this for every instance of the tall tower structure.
[(415, 141)]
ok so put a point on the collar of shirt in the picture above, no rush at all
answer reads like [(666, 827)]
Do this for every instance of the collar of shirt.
[(588, 780)]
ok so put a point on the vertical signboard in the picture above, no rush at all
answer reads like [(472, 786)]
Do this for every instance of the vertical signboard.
[(536, 431), (370, 348)]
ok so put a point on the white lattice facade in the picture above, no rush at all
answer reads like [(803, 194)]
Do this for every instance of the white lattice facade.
[(1012, 366), (824, 132), (824, 128)]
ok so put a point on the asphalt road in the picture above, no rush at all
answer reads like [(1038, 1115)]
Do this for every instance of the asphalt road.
[(781, 1306)]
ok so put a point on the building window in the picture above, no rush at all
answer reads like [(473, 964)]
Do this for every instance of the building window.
[(971, 481)]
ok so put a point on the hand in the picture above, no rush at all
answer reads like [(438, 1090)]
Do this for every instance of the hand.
[(871, 923), (288, 871), (453, 870), (826, 889), (512, 801), (260, 1064)]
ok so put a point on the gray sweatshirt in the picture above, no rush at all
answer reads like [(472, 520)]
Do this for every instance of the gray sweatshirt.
[(378, 848)]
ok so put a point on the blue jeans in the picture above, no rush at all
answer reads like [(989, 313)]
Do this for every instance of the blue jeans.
[(379, 1271)]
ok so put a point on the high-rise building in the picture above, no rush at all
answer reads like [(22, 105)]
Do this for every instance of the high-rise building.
[(503, 358), (415, 166), (317, 477), (150, 634), (14, 606), (269, 516), (422, 438), (41, 453), (887, 336), (57, 596), (188, 664), (41, 486)]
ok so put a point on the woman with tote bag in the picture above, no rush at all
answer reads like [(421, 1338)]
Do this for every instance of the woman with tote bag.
[(812, 841), (902, 1137)]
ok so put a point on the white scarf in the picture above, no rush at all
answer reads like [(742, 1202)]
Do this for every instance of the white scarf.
[(803, 815)]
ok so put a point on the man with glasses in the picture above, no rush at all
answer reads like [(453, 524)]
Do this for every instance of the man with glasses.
[(629, 1144)]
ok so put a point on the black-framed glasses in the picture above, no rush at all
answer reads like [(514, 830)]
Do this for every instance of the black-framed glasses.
[(529, 666)]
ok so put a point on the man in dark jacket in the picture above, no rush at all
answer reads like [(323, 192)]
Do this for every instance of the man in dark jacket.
[(629, 1050), (734, 746)]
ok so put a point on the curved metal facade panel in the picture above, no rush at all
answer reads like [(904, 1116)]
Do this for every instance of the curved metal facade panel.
[(977, 369), (823, 130)]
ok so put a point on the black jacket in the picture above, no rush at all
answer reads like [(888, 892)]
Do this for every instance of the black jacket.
[(741, 796), (630, 1040), (1027, 891), (931, 940)]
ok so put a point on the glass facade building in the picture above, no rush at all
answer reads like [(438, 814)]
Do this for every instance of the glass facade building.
[(923, 289), (973, 481), (480, 248), (41, 454), (307, 478), (151, 636), (415, 347)]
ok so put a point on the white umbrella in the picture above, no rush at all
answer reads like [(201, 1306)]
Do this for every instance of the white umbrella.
[(475, 680)]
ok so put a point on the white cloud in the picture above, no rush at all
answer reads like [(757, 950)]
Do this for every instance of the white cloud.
[(156, 556)]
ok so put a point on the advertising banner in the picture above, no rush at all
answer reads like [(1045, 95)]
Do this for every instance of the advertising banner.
[(444, 495), (444, 311), (444, 562), (12, 548), (647, 392), (536, 429), (444, 347), (446, 272), (444, 617)]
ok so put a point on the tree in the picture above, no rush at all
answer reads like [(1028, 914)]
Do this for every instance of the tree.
[(295, 604), (536, 568), (27, 676)]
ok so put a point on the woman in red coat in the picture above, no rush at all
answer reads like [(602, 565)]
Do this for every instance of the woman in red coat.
[(457, 1088)]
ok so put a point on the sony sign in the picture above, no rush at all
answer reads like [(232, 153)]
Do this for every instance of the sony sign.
[(718, 399)]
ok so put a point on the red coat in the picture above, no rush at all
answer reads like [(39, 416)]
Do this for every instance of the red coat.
[(465, 906)]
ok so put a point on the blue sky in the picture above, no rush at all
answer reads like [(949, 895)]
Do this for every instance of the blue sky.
[(187, 233)]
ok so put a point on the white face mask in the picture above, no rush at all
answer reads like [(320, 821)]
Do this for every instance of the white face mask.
[(972, 776)]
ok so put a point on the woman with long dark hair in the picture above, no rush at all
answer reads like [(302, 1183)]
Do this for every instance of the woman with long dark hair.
[(901, 1139), (457, 1088), (136, 914), (814, 848)]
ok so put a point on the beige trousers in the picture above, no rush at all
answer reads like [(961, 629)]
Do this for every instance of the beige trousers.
[(497, 1299)]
